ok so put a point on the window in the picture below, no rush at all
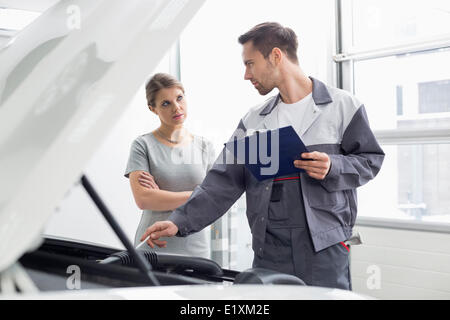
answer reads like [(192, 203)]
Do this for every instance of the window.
[(434, 96), (411, 183), (403, 89), (393, 56), (383, 23)]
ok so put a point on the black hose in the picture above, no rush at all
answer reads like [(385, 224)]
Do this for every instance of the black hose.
[(142, 264)]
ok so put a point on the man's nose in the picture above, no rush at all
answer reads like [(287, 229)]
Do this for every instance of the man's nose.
[(247, 75)]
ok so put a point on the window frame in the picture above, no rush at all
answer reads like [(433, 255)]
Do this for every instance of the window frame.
[(345, 57)]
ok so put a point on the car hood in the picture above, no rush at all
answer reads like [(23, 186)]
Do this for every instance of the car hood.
[(209, 292), (64, 82)]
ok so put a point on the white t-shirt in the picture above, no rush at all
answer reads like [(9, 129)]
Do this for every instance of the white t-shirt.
[(293, 114)]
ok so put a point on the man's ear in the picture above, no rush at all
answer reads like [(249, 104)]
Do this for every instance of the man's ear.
[(276, 56)]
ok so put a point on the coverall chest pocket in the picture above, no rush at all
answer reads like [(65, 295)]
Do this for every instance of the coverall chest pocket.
[(284, 200), (318, 196)]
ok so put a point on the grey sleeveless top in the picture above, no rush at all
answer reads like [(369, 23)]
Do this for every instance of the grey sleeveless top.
[(174, 169)]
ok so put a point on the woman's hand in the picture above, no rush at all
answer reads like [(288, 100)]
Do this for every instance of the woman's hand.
[(147, 181)]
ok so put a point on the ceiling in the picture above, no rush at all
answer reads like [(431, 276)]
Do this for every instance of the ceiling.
[(9, 29), (29, 5)]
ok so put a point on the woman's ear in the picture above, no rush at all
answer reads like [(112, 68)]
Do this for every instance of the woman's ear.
[(152, 109)]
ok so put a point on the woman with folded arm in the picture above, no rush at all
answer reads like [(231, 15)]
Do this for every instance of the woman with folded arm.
[(165, 166)]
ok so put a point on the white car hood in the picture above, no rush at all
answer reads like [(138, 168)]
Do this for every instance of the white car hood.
[(64, 83), (208, 292)]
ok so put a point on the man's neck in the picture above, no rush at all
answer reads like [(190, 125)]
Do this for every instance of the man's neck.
[(294, 86)]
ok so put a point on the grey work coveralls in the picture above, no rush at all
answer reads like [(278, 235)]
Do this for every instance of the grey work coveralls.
[(297, 228)]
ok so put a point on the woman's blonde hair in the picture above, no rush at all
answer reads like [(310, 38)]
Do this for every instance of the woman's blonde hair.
[(157, 82)]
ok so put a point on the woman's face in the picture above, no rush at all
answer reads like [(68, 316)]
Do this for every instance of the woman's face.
[(170, 106)]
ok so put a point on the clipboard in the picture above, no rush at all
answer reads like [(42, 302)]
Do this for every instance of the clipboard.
[(269, 154)]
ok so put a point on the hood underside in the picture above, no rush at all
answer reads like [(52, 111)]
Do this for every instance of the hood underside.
[(64, 82)]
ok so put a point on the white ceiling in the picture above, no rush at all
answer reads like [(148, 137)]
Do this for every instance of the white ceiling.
[(31, 5)]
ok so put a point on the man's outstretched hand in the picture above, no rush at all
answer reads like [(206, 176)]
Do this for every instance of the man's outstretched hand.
[(157, 230)]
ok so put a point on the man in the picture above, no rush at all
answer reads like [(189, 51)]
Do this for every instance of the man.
[(299, 223)]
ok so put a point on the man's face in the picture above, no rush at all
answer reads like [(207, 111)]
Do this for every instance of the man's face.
[(258, 70)]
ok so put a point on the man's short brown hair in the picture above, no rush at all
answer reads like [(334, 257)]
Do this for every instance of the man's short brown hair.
[(269, 35)]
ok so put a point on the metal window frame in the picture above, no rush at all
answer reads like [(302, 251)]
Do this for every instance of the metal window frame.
[(412, 47), (175, 61), (400, 224), (345, 80), (413, 136)]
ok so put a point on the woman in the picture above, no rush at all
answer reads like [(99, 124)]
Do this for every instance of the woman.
[(167, 164)]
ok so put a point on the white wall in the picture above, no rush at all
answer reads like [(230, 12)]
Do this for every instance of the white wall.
[(212, 69), (77, 217), (410, 264), (212, 72)]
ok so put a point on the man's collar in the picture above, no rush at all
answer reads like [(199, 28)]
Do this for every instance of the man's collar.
[(320, 95)]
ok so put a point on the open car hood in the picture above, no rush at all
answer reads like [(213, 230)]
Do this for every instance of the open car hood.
[(64, 82), (214, 292)]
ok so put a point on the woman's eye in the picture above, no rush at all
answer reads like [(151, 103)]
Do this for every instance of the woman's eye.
[(180, 98), (165, 103)]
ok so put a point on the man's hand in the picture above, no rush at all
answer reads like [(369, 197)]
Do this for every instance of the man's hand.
[(318, 167), (146, 180), (157, 230)]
